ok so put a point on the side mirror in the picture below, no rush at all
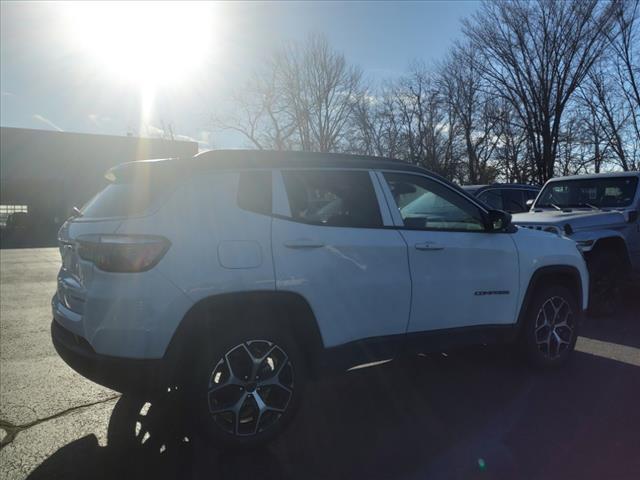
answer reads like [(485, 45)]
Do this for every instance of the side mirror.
[(632, 216), (498, 221), (529, 203)]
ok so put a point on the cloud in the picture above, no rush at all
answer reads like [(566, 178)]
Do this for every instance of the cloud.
[(47, 122), (98, 120), (6, 94)]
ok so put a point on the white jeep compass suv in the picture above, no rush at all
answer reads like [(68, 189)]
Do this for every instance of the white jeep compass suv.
[(237, 275)]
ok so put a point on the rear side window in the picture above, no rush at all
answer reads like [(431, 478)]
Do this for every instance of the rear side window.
[(338, 198), (493, 198), (254, 192), (513, 200), (124, 200)]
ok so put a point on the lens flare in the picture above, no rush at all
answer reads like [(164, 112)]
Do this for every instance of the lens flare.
[(149, 43)]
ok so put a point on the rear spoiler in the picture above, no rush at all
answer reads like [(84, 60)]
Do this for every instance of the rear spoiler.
[(139, 170)]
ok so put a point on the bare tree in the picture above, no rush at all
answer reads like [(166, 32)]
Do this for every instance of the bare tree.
[(627, 65), (625, 42), (537, 88), (303, 97), (376, 129), (512, 153), (418, 105), (608, 109), (536, 54), (260, 113), (464, 91)]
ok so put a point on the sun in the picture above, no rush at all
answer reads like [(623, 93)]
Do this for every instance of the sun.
[(151, 44)]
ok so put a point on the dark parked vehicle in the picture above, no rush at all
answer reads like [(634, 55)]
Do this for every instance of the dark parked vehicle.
[(510, 197)]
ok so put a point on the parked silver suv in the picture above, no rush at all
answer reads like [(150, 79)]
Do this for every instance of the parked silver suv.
[(601, 213)]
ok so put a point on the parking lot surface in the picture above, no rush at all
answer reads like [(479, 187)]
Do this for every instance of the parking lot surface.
[(473, 413)]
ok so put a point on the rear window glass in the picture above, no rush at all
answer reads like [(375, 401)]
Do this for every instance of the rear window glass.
[(333, 198), (123, 200)]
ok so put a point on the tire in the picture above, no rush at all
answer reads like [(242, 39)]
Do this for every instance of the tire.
[(247, 385), (550, 328), (605, 271)]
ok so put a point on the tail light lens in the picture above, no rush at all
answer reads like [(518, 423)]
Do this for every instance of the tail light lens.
[(123, 253)]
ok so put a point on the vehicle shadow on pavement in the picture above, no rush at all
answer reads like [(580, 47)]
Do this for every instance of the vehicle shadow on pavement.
[(624, 327), (475, 413), (150, 440)]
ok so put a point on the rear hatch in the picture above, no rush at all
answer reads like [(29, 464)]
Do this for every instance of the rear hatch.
[(135, 189)]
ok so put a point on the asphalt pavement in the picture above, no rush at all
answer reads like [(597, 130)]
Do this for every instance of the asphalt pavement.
[(472, 413)]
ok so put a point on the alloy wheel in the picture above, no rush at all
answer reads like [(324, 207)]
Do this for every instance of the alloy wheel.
[(554, 327), (250, 388)]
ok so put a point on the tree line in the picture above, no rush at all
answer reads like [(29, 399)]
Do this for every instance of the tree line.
[(533, 89)]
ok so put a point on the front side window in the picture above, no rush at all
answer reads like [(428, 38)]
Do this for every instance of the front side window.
[(338, 198), (615, 192), (426, 204)]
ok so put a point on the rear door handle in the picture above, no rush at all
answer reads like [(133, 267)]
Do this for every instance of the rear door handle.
[(303, 243), (428, 246)]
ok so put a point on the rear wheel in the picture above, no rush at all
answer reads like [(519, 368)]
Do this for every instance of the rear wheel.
[(551, 326), (247, 386)]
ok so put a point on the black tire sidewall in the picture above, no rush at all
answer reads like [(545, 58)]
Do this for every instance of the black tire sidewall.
[(533, 353), (208, 355)]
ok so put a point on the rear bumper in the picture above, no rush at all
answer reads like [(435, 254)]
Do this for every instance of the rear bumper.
[(121, 374)]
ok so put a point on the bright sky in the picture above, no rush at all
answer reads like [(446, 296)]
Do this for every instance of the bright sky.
[(117, 68)]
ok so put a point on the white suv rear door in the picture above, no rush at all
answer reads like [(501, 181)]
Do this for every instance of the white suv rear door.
[(462, 275), (333, 243)]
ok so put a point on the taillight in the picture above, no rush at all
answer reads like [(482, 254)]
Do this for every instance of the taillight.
[(123, 253)]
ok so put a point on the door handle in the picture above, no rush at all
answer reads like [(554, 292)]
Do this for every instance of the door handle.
[(304, 243), (428, 246)]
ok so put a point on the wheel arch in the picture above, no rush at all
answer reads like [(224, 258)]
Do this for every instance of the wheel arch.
[(614, 243), (565, 275), (287, 310)]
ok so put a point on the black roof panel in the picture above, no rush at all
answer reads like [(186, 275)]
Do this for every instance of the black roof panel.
[(280, 159), (247, 159)]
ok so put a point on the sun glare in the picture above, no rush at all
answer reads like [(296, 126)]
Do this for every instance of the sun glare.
[(152, 44)]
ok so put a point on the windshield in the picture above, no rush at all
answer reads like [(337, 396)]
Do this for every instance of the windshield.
[(616, 192)]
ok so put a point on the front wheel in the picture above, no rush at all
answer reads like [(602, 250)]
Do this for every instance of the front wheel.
[(550, 328), (247, 387)]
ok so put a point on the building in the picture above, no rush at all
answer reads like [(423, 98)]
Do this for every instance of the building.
[(44, 174)]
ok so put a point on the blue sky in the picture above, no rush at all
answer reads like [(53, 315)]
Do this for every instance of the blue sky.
[(49, 82)]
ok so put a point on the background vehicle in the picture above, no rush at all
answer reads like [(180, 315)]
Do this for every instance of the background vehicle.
[(510, 197), (236, 275), (600, 212)]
